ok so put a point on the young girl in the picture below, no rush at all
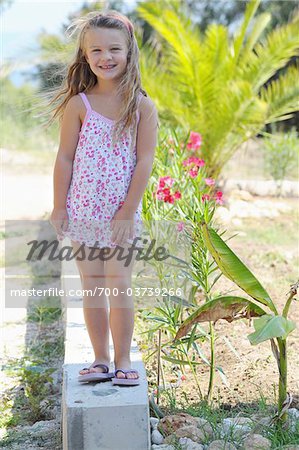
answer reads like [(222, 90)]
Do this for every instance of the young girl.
[(104, 161)]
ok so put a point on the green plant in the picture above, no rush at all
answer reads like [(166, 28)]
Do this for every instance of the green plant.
[(37, 381), (269, 325), (281, 152), (46, 311), (21, 129), (216, 83)]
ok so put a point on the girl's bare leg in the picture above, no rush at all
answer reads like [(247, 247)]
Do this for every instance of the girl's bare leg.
[(118, 277), (95, 308)]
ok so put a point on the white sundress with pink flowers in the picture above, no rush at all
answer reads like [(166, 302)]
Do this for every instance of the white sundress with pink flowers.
[(100, 180)]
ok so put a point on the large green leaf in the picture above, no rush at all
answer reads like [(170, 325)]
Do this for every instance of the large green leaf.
[(225, 307), (233, 268), (269, 327)]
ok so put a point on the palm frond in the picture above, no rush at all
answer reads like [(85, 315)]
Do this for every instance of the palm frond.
[(258, 28), (282, 95), (250, 11), (178, 33), (269, 56)]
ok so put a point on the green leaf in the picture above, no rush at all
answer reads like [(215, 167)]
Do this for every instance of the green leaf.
[(227, 307), (269, 327), (233, 268), (180, 301), (179, 361)]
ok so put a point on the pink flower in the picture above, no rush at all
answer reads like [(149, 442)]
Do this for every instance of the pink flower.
[(163, 191), (205, 197), (219, 198), (169, 199), (194, 142), (183, 378), (210, 181), (180, 226), (193, 161), (193, 172), (166, 181)]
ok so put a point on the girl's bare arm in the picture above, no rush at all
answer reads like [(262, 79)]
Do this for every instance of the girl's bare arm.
[(69, 136), (146, 144)]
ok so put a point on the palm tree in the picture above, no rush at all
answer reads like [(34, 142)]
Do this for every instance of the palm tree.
[(214, 84)]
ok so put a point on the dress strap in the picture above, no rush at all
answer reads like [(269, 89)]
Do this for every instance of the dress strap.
[(85, 101)]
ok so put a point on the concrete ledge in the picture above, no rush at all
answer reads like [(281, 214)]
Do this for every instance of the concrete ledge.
[(99, 416), (263, 188)]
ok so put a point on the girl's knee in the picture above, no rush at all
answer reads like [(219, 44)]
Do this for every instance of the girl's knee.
[(91, 281), (118, 283)]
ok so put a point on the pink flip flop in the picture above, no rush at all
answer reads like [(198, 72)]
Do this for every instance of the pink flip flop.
[(96, 376), (126, 381)]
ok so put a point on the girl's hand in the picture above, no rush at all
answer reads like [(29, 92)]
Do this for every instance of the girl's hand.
[(59, 220), (122, 226)]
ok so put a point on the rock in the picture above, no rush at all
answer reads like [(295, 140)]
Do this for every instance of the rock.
[(293, 419), (154, 422), (44, 428), (238, 223), (55, 412), (170, 440), (169, 424), (256, 442), (188, 444), (221, 445), (162, 447), (236, 426), (45, 404), (157, 437), (259, 424), (204, 426), (191, 432), (223, 214), (242, 194), (293, 413)]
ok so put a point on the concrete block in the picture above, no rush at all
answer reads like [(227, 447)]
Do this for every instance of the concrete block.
[(102, 416)]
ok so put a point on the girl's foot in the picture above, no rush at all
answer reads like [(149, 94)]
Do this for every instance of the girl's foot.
[(124, 364), (93, 369)]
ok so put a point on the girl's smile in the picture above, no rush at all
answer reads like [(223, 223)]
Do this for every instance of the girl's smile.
[(107, 67)]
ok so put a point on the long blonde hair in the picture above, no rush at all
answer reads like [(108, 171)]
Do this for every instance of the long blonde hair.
[(80, 78)]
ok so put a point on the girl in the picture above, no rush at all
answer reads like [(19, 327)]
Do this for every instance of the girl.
[(107, 142)]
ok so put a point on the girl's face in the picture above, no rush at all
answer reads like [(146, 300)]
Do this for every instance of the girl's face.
[(106, 52)]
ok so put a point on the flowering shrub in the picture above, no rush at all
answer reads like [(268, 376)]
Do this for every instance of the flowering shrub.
[(167, 190), (181, 192)]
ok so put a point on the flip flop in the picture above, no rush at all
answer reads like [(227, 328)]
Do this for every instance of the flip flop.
[(126, 381), (96, 376)]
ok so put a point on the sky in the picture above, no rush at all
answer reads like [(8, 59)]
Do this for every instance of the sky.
[(22, 21)]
